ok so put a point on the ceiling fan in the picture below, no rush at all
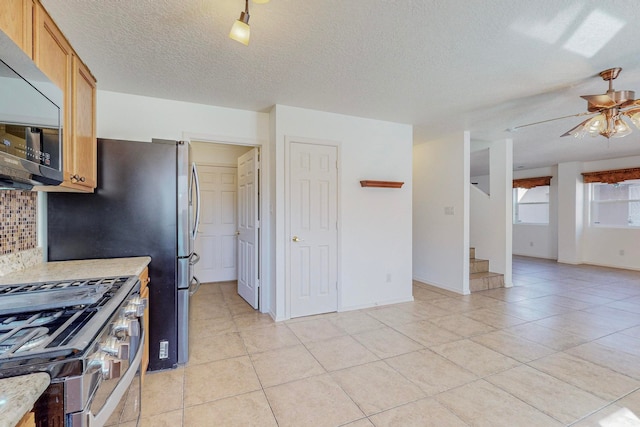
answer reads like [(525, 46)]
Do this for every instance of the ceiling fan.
[(607, 111)]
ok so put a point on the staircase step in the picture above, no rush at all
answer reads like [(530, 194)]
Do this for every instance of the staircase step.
[(484, 281), (477, 265), (472, 252)]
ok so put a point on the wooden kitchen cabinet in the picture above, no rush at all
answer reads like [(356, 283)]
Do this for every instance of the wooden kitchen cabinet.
[(144, 293), (27, 421), (55, 58), (83, 157), (53, 55), (16, 21)]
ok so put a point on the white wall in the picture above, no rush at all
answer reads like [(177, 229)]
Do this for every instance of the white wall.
[(374, 223), (479, 218), (490, 225), (603, 245), (441, 241), (570, 213), (569, 237), (482, 183), (501, 160), (141, 118), (539, 240), (218, 154)]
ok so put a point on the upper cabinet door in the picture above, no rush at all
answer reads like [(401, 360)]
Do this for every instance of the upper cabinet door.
[(84, 128), (16, 21), (52, 54), (56, 58)]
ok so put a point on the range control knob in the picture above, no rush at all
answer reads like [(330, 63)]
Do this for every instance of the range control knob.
[(116, 348), (124, 327), (137, 300), (135, 307), (109, 368)]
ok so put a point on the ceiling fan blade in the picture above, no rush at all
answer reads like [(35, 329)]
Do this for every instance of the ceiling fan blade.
[(630, 103), (515, 128), (573, 129), (597, 102)]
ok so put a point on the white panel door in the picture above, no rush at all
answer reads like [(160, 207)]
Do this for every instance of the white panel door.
[(216, 238), (248, 225), (314, 232)]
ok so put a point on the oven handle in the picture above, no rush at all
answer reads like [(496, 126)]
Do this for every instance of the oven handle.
[(119, 391)]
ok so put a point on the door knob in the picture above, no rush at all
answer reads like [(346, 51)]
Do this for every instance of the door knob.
[(296, 239)]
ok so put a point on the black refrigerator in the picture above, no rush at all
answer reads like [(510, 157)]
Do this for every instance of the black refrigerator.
[(146, 204)]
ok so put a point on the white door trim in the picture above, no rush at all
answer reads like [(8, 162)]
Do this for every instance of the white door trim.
[(264, 269), (288, 140), (218, 164)]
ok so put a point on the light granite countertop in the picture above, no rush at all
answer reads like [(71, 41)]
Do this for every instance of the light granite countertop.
[(81, 269), (18, 394)]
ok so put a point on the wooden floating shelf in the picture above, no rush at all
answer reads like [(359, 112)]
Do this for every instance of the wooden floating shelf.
[(381, 184)]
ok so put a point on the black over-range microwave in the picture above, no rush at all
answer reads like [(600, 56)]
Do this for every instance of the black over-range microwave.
[(30, 122)]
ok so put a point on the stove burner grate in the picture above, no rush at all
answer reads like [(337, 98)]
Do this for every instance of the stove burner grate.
[(52, 295), (64, 329), (24, 339), (12, 322)]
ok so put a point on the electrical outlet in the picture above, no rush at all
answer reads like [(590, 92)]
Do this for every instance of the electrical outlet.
[(531, 244), (388, 277), (621, 252), (448, 210), (164, 350)]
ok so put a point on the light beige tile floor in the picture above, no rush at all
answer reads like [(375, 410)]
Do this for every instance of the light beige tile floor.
[(562, 347)]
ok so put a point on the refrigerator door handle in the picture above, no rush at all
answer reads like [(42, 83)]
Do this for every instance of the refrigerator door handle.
[(197, 284), (196, 181), (194, 258)]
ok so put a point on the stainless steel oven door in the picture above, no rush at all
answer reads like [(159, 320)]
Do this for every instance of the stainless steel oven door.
[(117, 400), (122, 404)]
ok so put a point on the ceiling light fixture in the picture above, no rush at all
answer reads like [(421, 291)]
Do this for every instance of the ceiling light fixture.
[(608, 108), (240, 31)]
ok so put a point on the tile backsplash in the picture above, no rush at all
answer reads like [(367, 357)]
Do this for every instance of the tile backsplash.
[(18, 221)]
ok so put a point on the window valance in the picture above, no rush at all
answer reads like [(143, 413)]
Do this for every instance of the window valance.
[(532, 182), (611, 176)]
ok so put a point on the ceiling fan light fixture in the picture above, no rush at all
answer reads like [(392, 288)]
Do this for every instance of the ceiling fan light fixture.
[(634, 116), (240, 31), (578, 131), (609, 109), (596, 125), (621, 129)]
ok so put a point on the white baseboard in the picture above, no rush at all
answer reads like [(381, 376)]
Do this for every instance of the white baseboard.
[(439, 285), (621, 267), (375, 304)]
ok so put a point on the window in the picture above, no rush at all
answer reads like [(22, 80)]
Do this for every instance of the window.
[(531, 205), (616, 205)]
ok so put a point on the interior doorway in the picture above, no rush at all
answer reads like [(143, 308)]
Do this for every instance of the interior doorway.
[(222, 258), (216, 239)]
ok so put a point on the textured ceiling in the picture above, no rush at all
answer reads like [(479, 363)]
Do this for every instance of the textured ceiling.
[(443, 66)]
